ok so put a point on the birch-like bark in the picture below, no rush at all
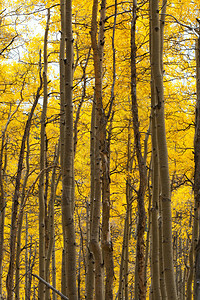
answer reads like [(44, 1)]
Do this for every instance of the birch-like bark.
[(197, 176), (51, 219), (54, 297), (95, 226), (29, 262), (68, 156), (27, 294), (155, 259), (20, 223), (2, 206), (15, 204), (123, 274), (105, 159), (102, 153), (106, 238), (189, 288), (62, 122), (42, 254), (123, 255), (161, 261), (140, 285), (156, 291), (2, 192), (90, 272), (163, 154)]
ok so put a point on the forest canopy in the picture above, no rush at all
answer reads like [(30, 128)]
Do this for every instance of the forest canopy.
[(100, 149)]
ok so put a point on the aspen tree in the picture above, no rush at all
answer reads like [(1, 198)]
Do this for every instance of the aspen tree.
[(3, 166), (20, 223), (13, 230), (124, 270), (2, 209), (62, 124), (27, 290), (140, 284), (155, 266), (89, 286), (162, 151), (102, 157), (107, 247), (98, 59), (154, 211), (51, 219), (54, 269), (2, 205), (197, 177), (67, 152), (42, 254)]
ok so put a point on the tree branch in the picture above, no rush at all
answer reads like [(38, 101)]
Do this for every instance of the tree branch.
[(50, 287)]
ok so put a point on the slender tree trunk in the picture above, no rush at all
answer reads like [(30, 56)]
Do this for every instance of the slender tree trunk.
[(51, 220), (189, 291), (155, 206), (68, 156), (197, 174), (106, 238), (2, 192), (105, 159), (62, 123), (20, 223), (42, 252), (27, 294), (2, 208), (13, 230), (124, 266), (90, 272), (140, 285), (161, 262), (100, 122), (54, 297), (123, 255), (155, 261), (162, 150)]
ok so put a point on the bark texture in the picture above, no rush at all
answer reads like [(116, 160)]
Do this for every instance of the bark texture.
[(140, 284), (15, 203), (42, 252), (95, 226), (197, 176), (163, 154), (67, 156)]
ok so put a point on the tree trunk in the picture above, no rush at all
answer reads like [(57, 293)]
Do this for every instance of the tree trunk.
[(62, 123), (197, 175), (155, 205), (2, 192), (13, 230), (95, 226), (42, 250), (124, 267), (20, 223), (90, 272), (140, 284), (68, 156), (162, 150), (51, 220), (54, 297), (2, 207)]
